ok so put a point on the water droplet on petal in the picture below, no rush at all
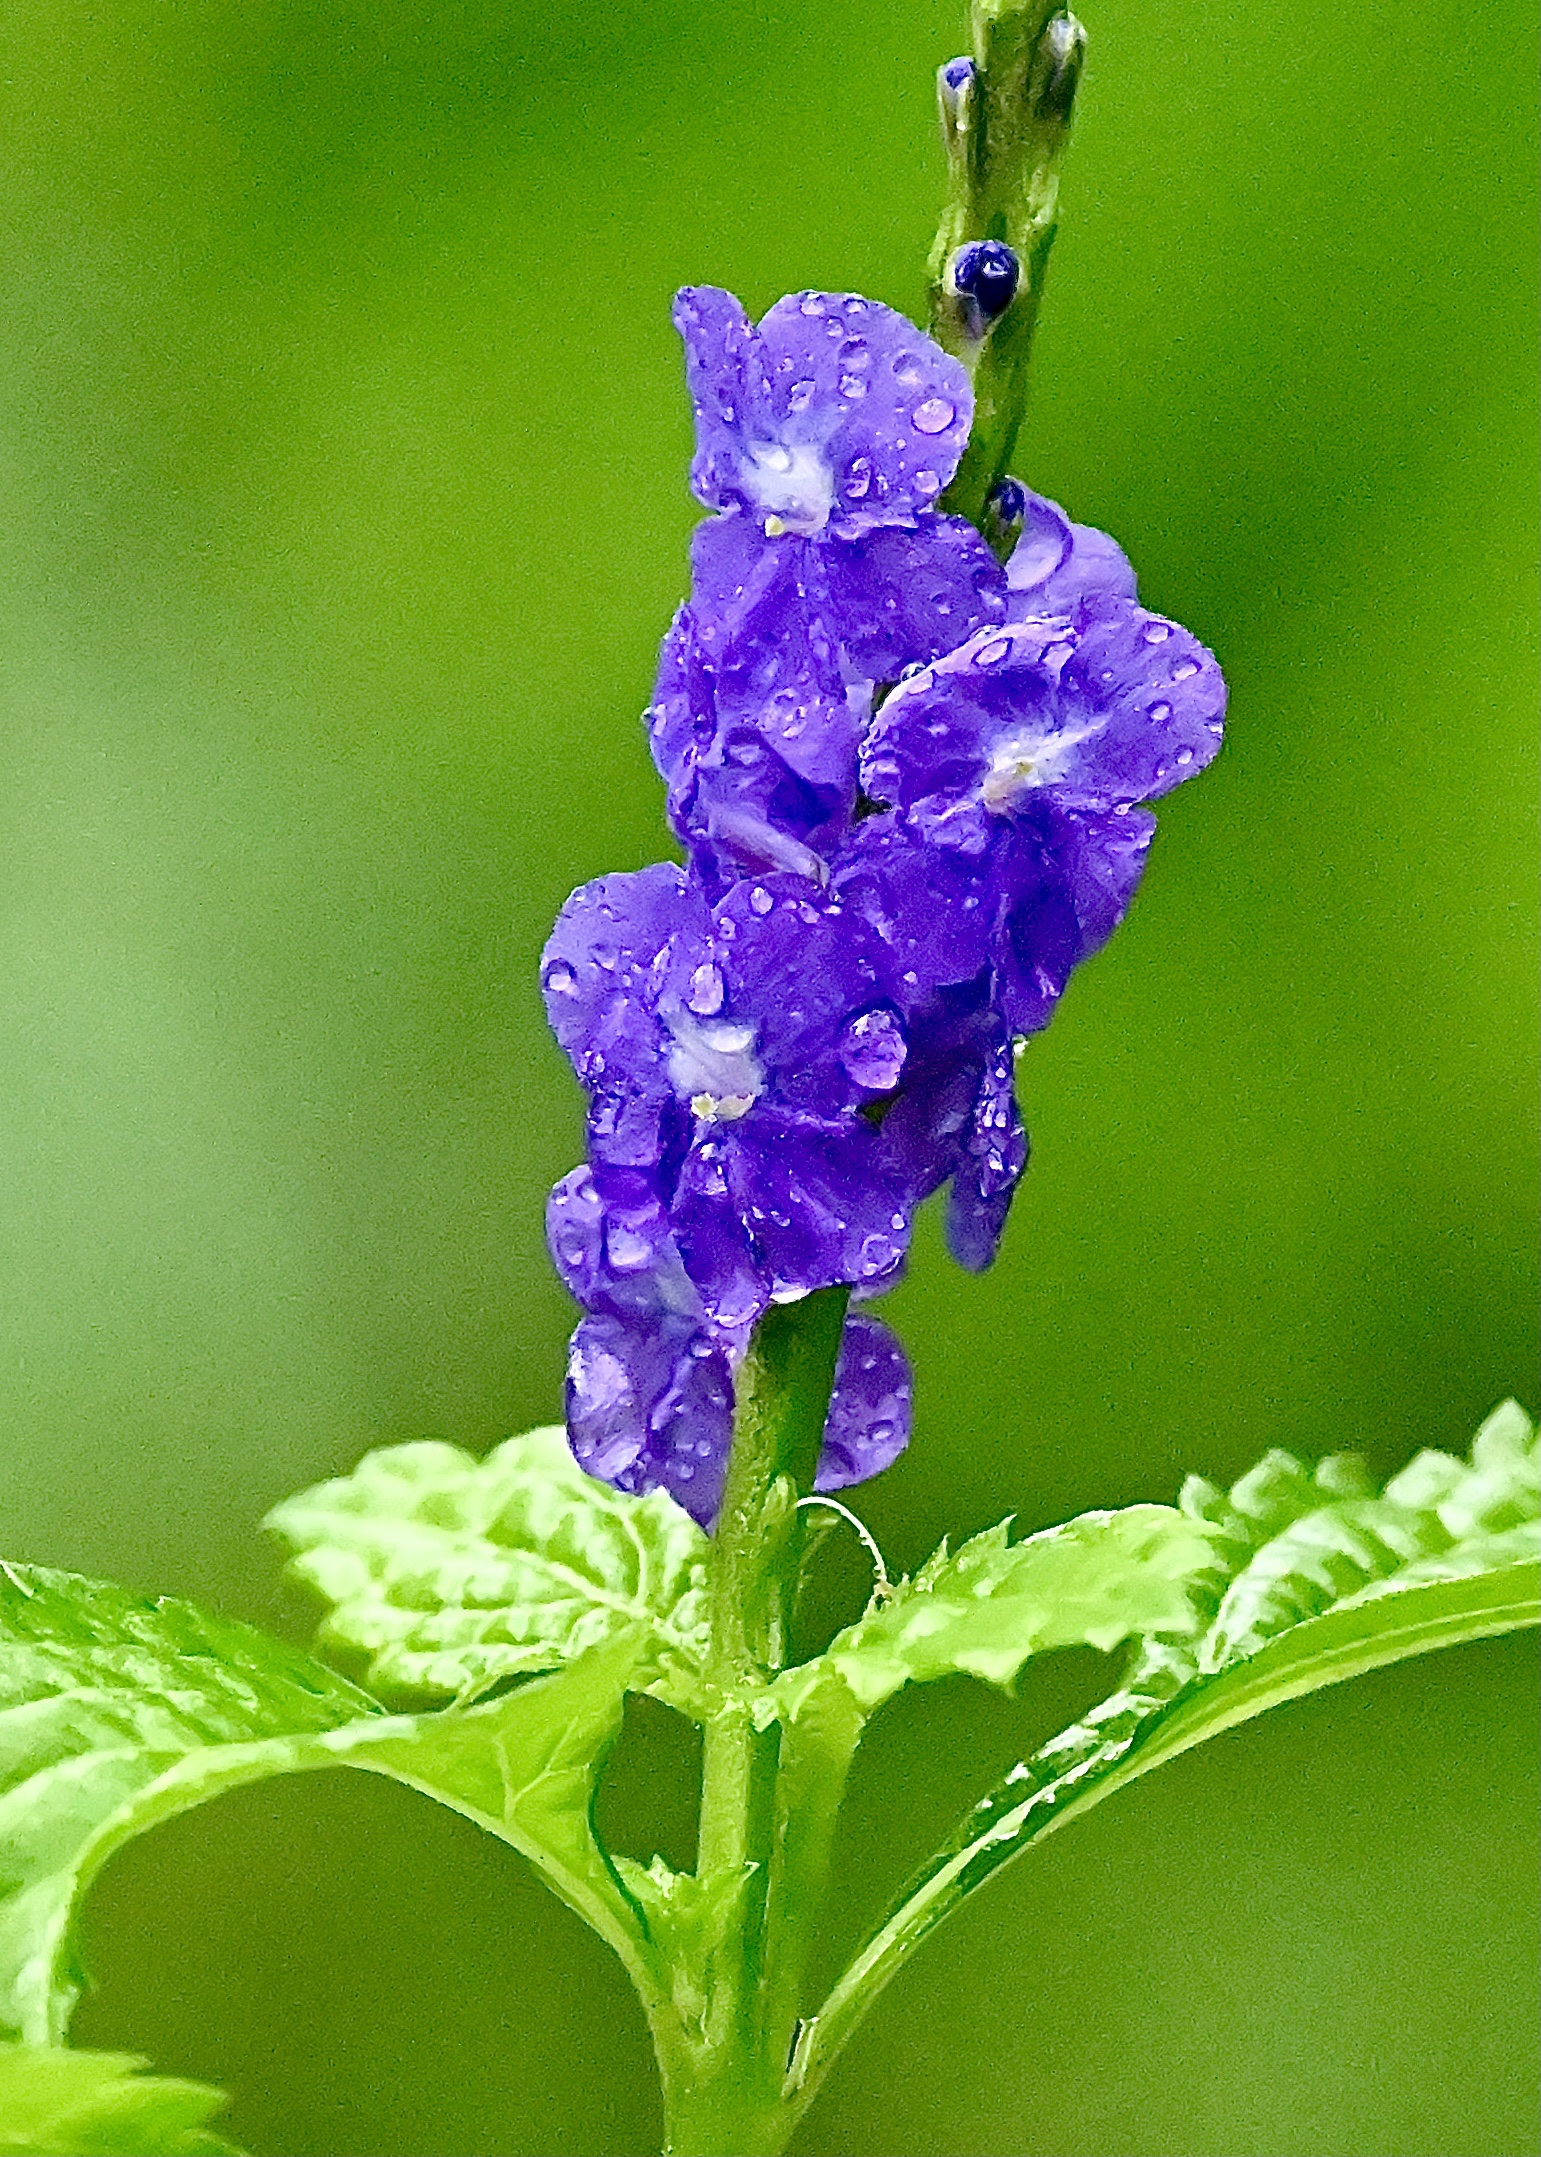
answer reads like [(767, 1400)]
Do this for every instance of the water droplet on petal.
[(934, 416), (560, 979), (812, 304), (1157, 632), (926, 483), (1185, 671), (1185, 756), (860, 477), (799, 396), (760, 900), (1159, 713), (628, 1251), (852, 386), (991, 655), (706, 990)]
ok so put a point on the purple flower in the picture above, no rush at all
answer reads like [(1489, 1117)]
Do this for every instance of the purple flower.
[(823, 438), (1091, 714), (729, 1051), (650, 1403), (833, 412), (1027, 751)]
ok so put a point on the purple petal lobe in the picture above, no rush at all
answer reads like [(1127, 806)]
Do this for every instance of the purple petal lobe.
[(905, 595), (1058, 567), (725, 373), (930, 911), (869, 1411), (1043, 549), (649, 1406), (890, 410), (995, 1154), (614, 1245), (821, 1206), (596, 967)]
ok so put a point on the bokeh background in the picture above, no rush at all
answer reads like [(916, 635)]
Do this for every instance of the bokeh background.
[(342, 503)]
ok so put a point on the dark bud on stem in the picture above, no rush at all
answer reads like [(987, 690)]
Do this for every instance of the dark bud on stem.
[(1005, 514), (1056, 71), (985, 274)]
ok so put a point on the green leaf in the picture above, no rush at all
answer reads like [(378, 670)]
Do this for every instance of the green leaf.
[(55, 2103), (117, 1712), (987, 1608), (1317, 1579), (448, 1575), (114, 1712)]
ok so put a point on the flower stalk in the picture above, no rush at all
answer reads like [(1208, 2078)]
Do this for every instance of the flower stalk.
[(908, 761)]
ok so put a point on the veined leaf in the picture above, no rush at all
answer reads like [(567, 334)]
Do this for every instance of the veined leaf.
[(446, 1574), (116, 1713), (1321, 1579), (55, 2103), (986, 1608)]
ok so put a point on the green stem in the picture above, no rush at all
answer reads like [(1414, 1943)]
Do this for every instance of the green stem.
[(723, 2094), (1005, 141)]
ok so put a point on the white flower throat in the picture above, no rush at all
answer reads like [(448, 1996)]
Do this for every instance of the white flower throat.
[(1031, 760), (793, 488), (712, 1065)]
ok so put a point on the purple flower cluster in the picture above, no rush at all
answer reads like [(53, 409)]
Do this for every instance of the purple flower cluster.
[(909, 784)]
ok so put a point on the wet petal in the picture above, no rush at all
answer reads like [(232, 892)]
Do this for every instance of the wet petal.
[(905, 595), (869, 1410), (725, 373), (598, 962), (887, 409), (1058, 567), (650, 1406)]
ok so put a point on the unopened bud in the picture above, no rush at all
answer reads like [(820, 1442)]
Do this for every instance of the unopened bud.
[(1056, 70), (984, 275), (1005, 513), (956, 82)]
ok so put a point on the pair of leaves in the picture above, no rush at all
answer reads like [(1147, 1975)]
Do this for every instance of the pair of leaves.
[(446, 1575), (55, 2103), (449, 1577)]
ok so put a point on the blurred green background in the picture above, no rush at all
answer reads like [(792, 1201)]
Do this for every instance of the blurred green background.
[(342, 446)]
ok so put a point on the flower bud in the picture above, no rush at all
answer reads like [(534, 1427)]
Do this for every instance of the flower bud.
[(985, 275), (1056, 72), (956, 82), (1004, 516)]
